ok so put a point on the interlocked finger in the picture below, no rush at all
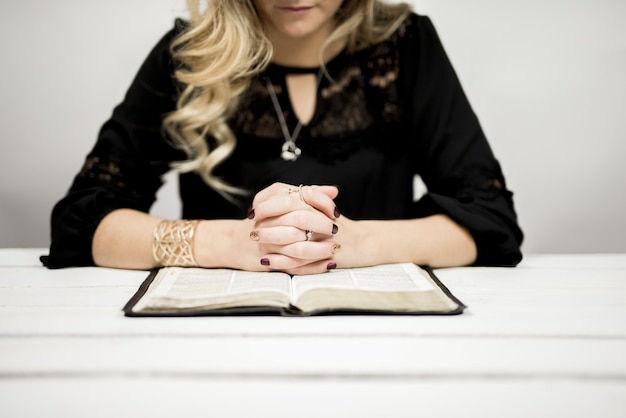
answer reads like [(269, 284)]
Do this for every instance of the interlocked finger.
[(304, 220), (280, 235), (278, 199), (298, 190), (302, 250)]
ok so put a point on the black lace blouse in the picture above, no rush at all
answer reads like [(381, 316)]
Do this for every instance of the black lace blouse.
[(386, 114)]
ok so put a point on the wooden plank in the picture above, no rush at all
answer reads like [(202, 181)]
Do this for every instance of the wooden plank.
[(141, 396), (13, 257), (501, 322), (376, 357)]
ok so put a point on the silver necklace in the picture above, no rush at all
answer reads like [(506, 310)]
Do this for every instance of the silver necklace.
[(290, 151)]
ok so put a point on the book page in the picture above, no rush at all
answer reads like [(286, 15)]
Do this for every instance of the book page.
[(383, 278), (177, 287), (390, 288)]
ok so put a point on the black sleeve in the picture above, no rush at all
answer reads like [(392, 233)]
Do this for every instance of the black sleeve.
[(452, 155), (124, 168)]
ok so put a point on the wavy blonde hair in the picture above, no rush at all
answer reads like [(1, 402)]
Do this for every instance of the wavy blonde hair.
[(221, 50)]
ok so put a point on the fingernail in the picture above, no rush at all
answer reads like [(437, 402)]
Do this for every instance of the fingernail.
[(251, 214), (265, 262), (331, 266), (336, 212), (335, 229)]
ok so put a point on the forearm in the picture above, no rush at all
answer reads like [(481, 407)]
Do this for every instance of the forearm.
[(436, 241), (124, 240)]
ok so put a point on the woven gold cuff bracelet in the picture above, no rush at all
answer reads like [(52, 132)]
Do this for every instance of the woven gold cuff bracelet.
[(172, 243)]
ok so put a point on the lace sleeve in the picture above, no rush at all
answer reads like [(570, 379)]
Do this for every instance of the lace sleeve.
[(452, 155), (125, 166)]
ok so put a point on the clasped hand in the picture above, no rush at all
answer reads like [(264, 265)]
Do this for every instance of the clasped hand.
[(294, 228)]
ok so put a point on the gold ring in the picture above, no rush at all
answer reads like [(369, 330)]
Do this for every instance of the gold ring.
[(335, 248), (300, 193), (254, 236)]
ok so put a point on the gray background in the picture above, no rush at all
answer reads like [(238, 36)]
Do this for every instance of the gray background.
[(546, 78)]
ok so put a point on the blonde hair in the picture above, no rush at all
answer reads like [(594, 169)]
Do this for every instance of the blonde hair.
[(218, 54)]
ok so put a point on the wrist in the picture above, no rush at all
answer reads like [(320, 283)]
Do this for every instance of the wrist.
[(358, 243), (374, 242), (215, 243)]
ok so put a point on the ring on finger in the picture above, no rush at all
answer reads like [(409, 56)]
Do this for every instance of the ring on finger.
[(309, 235), (300, 193), (292, 190)]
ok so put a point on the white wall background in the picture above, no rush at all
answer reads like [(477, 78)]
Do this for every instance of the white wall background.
[(546, 77)]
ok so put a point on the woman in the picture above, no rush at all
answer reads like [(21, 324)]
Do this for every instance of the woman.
[(298, 128)]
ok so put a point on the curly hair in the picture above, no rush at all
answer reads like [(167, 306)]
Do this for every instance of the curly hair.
[(222, 48)]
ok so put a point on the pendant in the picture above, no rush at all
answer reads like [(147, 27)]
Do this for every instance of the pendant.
[(290, 151)]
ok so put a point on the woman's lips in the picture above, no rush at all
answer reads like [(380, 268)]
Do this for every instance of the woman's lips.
[(298, 9)]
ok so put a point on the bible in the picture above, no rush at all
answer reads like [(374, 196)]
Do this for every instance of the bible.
[(402, 288)]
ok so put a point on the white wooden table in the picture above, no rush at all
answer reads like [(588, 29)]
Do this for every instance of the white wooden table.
[(546, 339)]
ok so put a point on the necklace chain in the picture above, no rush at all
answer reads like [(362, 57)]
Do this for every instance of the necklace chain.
[(290, 151)]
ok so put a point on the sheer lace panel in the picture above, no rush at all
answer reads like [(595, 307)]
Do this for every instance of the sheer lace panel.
[(104, 171), (480, 182), (360, 92)]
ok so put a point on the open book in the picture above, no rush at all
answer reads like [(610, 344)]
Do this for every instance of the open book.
[(392, 288)]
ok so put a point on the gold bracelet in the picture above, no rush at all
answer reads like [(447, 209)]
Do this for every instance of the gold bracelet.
[(172, 243)]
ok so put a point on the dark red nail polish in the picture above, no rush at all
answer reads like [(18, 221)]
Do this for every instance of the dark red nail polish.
[(335, 229), (265, 262), (336, 212), (251, 214), (331, 266)]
